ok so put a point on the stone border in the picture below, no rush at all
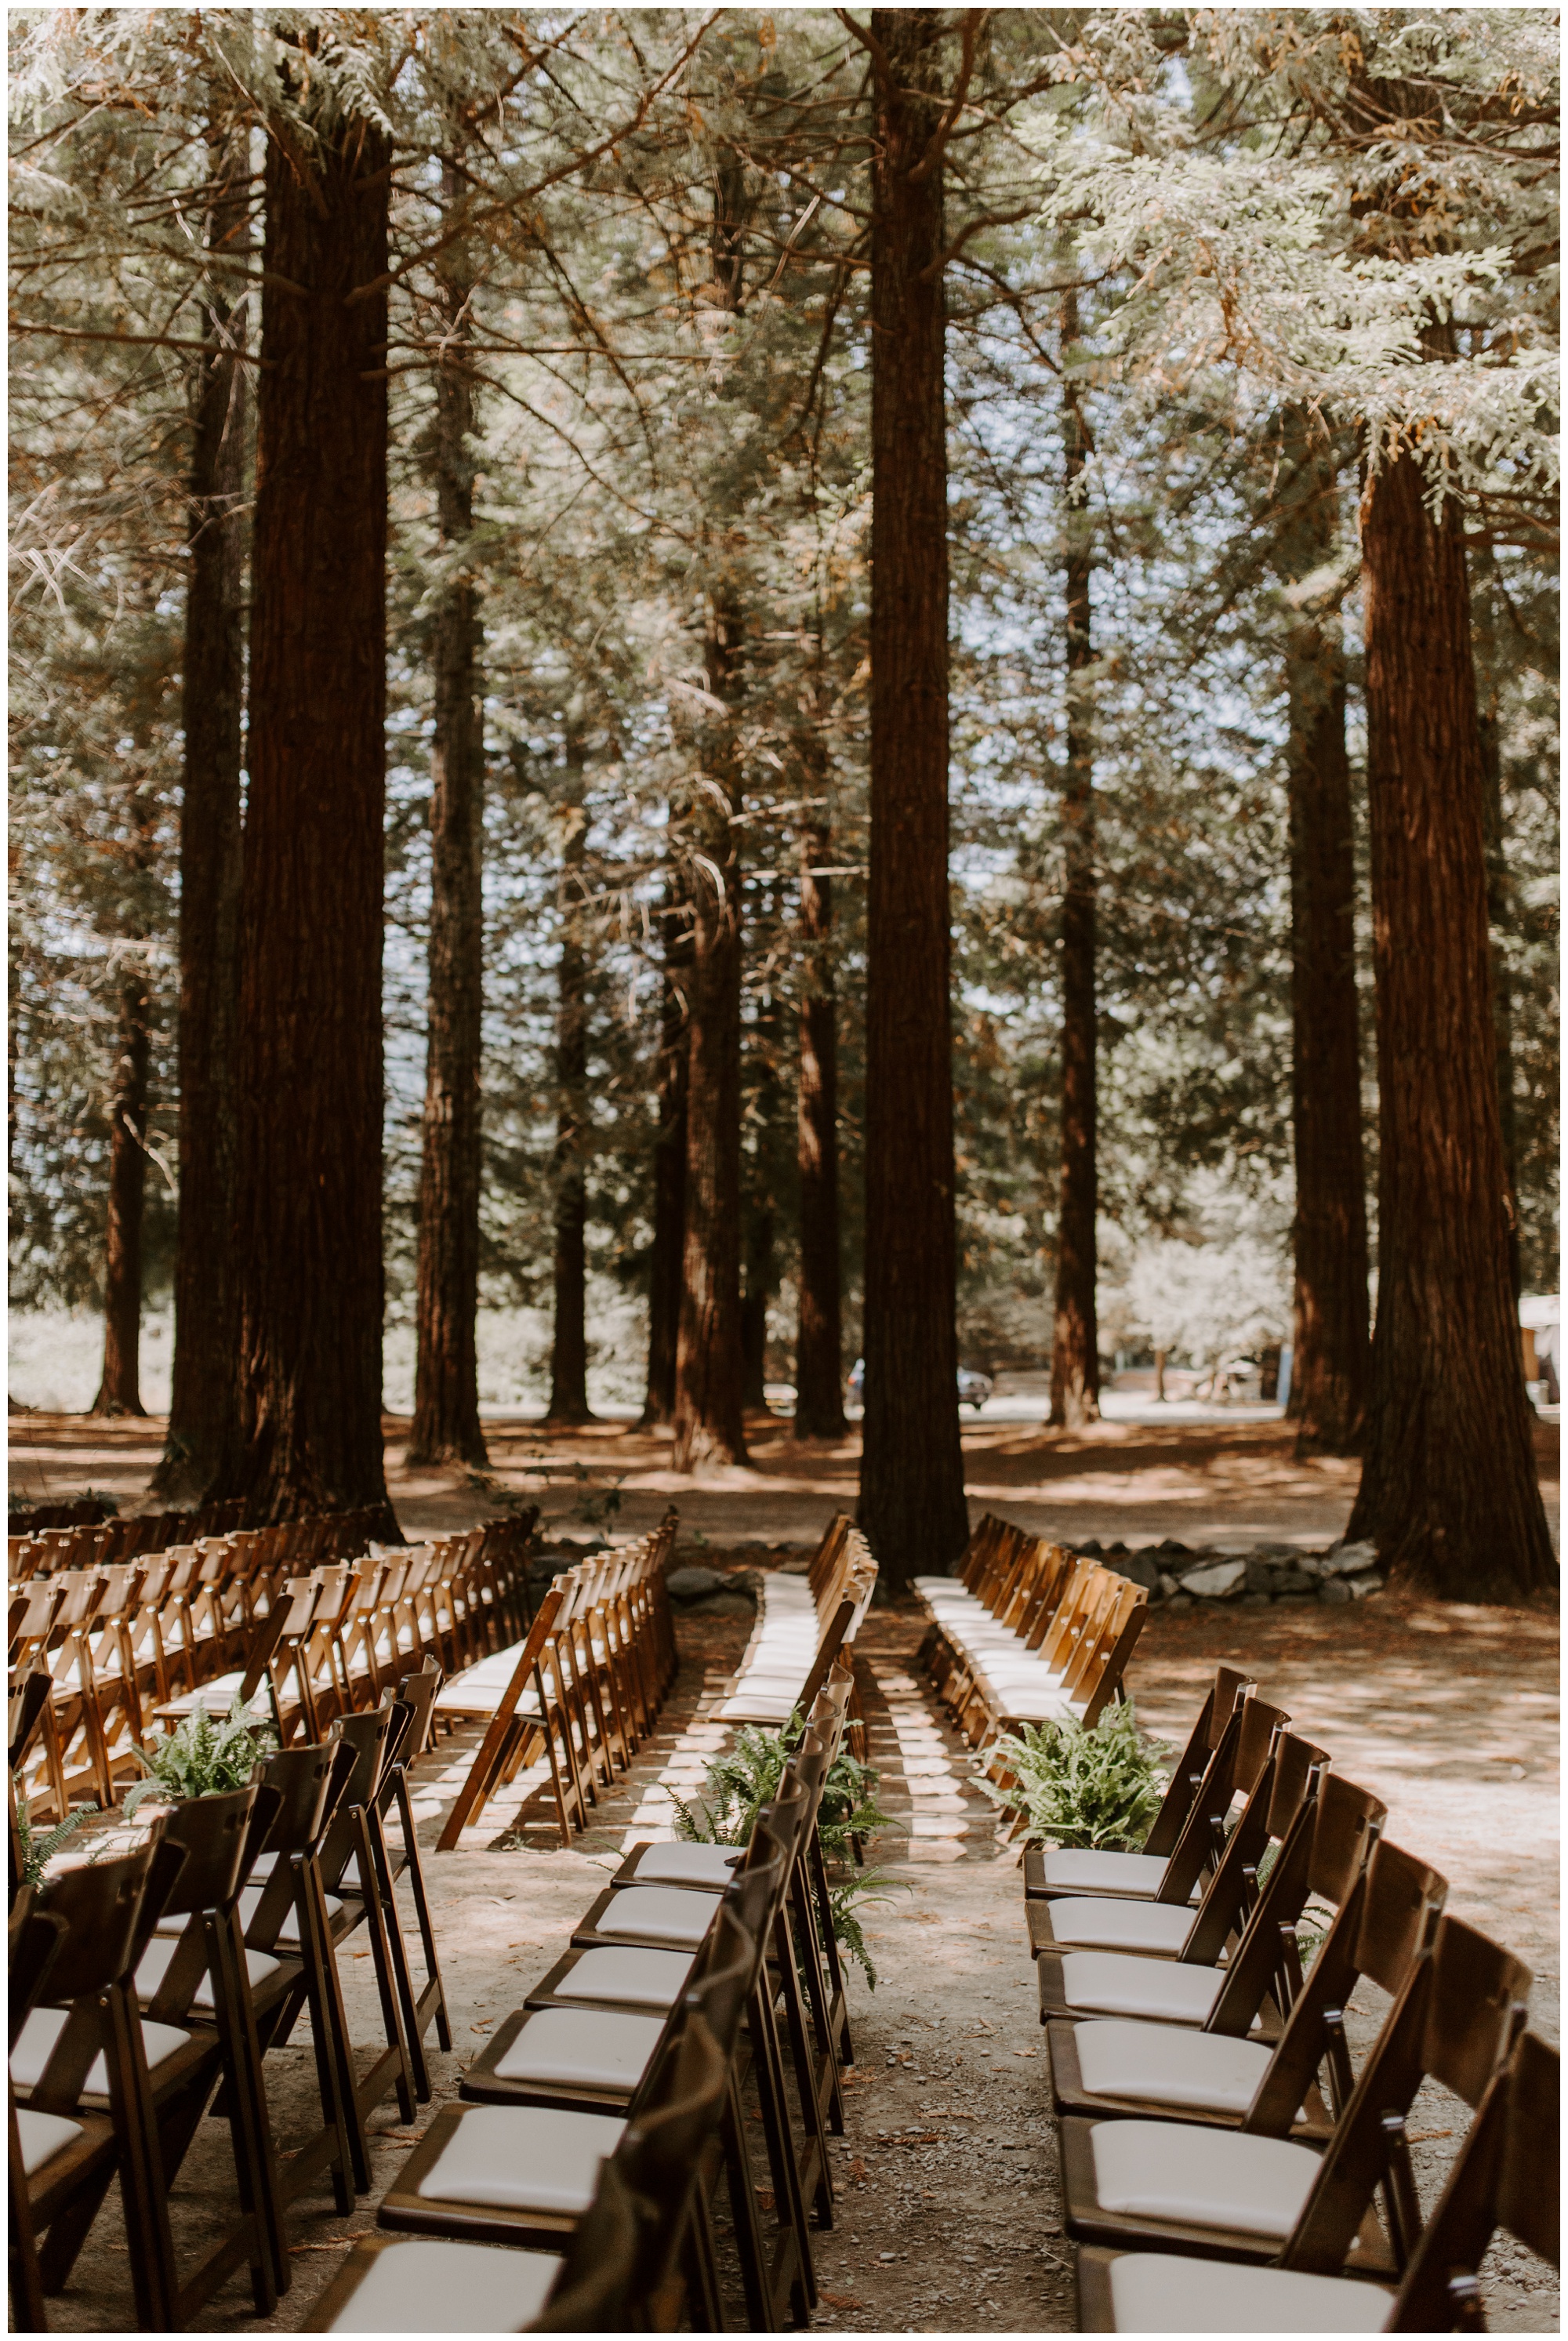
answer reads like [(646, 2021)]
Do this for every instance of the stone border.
[(1177, 1578)]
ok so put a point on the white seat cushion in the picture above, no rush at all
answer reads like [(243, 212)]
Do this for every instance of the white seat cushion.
[(419, 2287), (746, 1707), (602, 2050), (1204, 2177), (1168, 2066), (1079, 1870), (1157, 2292), (157, 1958), (660, 1914), (631, 1978), (43, 2137), (44, 2027), (217, 1697), (288, 1933), (1119, 1983), (688, 1864), (523, 2159), (1156, 1928)]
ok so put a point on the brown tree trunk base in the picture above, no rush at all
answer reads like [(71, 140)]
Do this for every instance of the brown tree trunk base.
[(1448, 1492)]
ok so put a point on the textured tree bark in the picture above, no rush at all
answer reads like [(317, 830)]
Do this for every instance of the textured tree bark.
[(1075, 1331), (204, 1392), (310, 1063), (446, 1427), (709, 1427), (1331, 1381), (708, 1420), (760, 1281), (819, 1337), (1449, 1490), (569, 1347), (666, 1265), (1499, 896), (120, 1389), (912, 1503)]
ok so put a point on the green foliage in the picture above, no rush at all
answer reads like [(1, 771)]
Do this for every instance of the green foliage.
[(39, 1852), (203, 1759), (742, 1781), (1098, 1789)]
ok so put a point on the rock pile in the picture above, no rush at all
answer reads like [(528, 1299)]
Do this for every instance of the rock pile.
[(1176, 1576)]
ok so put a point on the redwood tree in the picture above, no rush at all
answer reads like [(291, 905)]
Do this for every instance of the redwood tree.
[(912, 1503), (1075, 1334), (569, 1346), (1332, 1374), (206, 1297), (1449, 1489), (310, 1049), (709, 1424), (120, 1389), (665, 1260), (819, 1338), (446, 1428)]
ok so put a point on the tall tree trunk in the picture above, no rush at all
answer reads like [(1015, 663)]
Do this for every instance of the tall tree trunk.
[(569, 1348), (666, 1263), (204, 1393), (760, 1281), (446, 1427), (819, 1338), (120, 1390), (1499, 891), (310, 1079), (1331, 1378), (1449, 1490), (709, 1425), (1075, 1331), (912, 1503)]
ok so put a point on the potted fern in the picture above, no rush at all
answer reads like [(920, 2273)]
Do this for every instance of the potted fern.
[(203, 1759), (38, 1847), (1063, 1786), (746, 1777)]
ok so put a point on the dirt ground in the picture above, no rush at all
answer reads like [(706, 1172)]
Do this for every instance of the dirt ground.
[(948, 2214), (1227, 1484)]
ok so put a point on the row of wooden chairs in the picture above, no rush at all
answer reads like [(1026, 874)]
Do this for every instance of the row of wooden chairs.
[(1226, 2167), (582, 1689), (98, 1544), (121, 1647), (1027, 1633), (175, 1961), (803, 1622), (703, 1977)]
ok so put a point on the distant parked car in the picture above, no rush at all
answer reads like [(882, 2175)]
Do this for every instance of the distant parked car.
[(974, 1389)]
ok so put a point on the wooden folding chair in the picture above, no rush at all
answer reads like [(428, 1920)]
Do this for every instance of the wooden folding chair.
[(1218, 2195), (1384, 1917), (80, 2113), (517, 1707)]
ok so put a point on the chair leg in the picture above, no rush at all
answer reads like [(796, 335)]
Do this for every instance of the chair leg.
[(398, 1952), (433, 1998), (370, 2091), (26, 2282)]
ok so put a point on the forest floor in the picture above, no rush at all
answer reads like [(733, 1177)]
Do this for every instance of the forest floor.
[(1228, 1484), (949, 2212)]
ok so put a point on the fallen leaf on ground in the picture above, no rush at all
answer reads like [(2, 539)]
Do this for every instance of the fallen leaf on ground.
[(839, 2299), (1026, 2052)]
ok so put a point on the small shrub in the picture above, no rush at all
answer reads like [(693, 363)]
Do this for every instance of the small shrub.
[(1096, 1789), (204, 1759), (742, 1781), (39, 1851)]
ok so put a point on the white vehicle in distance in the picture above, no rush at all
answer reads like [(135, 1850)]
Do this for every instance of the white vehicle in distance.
[(974, 1389)]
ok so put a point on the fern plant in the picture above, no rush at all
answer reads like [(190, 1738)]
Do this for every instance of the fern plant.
[(1067, 1787), (746, 1777), (203, 1759), (38, 1850)]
